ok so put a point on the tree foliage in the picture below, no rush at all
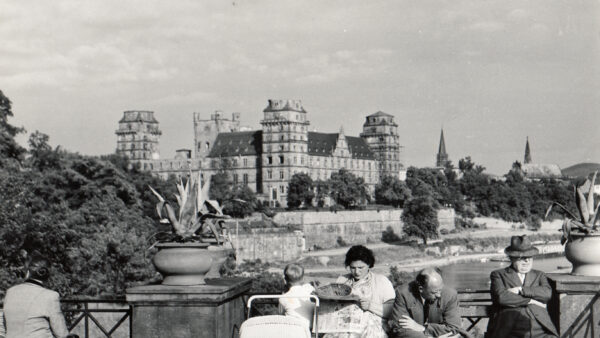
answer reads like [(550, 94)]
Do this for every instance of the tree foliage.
[(392, 191), (347, 189), (300, 190), (11, 153), (420, 217)]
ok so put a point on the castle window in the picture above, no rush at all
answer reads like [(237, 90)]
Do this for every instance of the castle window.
[(269, 174), (207, 144), (281, 175), (270, 160), (235, 162), (369, 165), (245, 162), (281, 148), (295, 160), (281, 159), (282, 138), (282, 189), (235, 178)]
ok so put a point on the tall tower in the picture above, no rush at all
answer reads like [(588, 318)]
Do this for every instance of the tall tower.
[(138, 135), (206, 131), (442, 156), (381, 134), (285, 139), (527, 157)]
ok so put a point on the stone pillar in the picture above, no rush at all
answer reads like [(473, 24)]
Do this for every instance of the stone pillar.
[(215, 309), (575, 305)]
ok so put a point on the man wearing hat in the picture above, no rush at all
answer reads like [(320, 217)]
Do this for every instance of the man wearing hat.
[(519, 296)]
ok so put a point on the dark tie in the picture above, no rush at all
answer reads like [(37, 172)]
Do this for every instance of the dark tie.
[(426, 311)]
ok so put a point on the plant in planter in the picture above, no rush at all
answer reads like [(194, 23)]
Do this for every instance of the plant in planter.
[(581, 234), (197, 237)]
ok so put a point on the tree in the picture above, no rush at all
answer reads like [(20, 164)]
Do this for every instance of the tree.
[(392, 191), (300, 190), (220, 187), (420, 218), (466, 165), (347, 189), (240, 201), (10, 150), (322, 188), (42, 155)]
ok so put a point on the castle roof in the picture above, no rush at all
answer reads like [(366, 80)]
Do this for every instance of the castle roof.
[(138, 116), (379, 113), (243, 143), (285, 105), (321, 144)]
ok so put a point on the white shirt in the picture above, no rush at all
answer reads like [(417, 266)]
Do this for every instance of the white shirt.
[(298, 307)]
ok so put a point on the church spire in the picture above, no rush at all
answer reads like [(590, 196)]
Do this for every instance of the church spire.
[(527, 158), (442, 156)]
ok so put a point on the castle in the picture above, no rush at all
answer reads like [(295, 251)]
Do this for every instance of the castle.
[(267, 158)]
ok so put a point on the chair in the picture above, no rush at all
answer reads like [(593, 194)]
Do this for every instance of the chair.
[(276, 326)]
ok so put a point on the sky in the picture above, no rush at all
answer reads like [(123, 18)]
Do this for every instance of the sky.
[(490, 72)]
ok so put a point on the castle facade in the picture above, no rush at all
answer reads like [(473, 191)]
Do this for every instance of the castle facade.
[(267, 158)]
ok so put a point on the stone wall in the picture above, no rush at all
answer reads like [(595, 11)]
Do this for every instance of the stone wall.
[(324, 229), (268, 245)]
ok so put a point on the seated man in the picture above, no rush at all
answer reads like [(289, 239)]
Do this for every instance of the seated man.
[(297, 307), (520, 295), (425, 308)]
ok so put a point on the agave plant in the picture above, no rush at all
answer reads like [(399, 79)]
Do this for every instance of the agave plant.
[(588, 212), (196, 214)]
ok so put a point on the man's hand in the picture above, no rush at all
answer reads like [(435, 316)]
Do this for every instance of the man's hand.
[(538, 303), (516, 290), (408, 323)]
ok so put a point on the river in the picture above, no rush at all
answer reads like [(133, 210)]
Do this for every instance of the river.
[(476, 275)]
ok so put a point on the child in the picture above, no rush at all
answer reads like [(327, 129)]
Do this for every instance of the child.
[(297, 307)]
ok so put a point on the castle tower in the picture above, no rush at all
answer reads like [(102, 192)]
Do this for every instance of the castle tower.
[(138, 136), (285, 138), (381, 134), (206, 131), (442, 156), (527, 157)]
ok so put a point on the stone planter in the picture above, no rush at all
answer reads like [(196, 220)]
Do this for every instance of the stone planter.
[(183, 263), (583, 251)]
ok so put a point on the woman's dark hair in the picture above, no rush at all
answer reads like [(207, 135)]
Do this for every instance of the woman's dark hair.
[(360, 253)]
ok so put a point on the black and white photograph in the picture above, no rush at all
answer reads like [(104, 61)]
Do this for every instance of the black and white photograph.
[(325, 169)]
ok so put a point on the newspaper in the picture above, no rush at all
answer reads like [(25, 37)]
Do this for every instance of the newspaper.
[(337, 317)]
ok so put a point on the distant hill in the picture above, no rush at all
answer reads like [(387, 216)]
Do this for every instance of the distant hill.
[(581, 169)]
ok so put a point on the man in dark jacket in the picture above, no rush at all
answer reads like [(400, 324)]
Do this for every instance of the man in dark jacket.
[(425, 308), (519, 296)]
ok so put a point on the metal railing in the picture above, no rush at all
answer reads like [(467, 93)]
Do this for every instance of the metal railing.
[(85, 315)]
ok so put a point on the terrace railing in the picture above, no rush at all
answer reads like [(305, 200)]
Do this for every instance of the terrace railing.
[(111, 317)]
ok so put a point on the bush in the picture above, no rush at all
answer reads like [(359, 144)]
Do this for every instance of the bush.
[(389, 236)]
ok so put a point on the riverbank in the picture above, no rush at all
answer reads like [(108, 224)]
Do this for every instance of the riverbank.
[(330, 263)]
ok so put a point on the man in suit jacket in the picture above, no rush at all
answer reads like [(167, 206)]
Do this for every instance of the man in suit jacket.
[(519, 296), (425, 308), (31, 310)]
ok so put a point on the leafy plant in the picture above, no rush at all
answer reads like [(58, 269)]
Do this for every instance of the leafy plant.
[(588, 212), (197, 216)]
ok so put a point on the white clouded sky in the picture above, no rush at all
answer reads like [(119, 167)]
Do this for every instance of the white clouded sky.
[(491, 72)]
